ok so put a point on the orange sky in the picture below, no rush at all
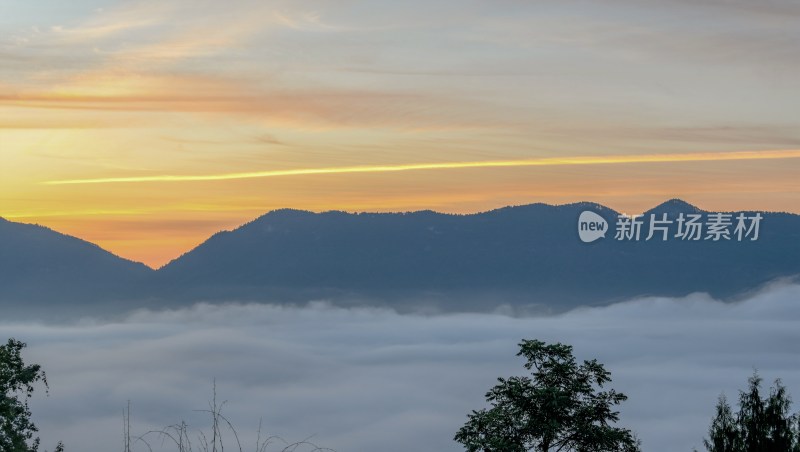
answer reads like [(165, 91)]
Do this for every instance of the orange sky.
[(174, 120)]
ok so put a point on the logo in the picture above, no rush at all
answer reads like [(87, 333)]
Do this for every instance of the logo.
[(698, 226), (591, 226)]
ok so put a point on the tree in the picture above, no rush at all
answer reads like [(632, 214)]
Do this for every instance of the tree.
[(780, 435), (763, 424), (560, 407), (724, 431), (16, 388)]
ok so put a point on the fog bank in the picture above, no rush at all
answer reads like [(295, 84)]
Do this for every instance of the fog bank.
[(371, 379)]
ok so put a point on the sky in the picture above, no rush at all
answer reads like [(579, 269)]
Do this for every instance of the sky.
[(146, 126), (370, 379)]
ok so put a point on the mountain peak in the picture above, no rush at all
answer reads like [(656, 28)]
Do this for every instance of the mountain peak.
[(282, 214), (674, 205), (589, 205)]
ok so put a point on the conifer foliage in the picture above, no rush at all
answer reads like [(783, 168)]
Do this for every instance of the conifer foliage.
[(762, 424)]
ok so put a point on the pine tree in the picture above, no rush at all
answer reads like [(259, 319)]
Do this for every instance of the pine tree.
[(724, 435), (762, 424), (778, 420), (752, 417)]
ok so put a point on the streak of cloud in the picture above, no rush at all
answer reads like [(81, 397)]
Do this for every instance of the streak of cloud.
[(549, 161)]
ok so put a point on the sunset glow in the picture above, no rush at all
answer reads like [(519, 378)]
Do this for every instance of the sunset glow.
[(147, 126)]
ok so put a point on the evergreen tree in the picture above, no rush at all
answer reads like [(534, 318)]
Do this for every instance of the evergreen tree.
[(724, 435), (778, 420), (763, 424), (752, 417)]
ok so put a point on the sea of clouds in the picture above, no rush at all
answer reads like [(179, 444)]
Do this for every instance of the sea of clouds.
[(366, 379)]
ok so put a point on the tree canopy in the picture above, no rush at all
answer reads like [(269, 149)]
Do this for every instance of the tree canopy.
[(560, 407), (762, 424), (16, 387)]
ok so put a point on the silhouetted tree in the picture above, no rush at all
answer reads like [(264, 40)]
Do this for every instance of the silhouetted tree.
[(16, 388), (763, 424), (724, 435), (558, 408), (778, 419)]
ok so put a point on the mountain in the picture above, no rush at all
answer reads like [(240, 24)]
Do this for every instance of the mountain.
[(674, 207), (41, 268), (528, 257)]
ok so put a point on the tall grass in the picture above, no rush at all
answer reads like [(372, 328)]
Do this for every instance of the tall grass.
[(221, 434)]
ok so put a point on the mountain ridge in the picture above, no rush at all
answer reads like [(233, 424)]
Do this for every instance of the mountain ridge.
[(39, 264), (527, 256)]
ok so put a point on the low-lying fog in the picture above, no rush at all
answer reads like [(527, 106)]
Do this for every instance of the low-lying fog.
[(374, 380)]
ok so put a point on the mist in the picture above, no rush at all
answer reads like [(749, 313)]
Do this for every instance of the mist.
[(363, 379)]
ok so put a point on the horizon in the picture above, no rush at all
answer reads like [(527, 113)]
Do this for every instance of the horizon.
[(355, 212)]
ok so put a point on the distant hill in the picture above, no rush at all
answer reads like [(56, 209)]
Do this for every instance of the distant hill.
[(529, 257), (43, 268)]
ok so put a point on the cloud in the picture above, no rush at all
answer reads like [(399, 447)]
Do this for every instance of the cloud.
[(371, 379), (310, 64), (552, 161), (318, 107)]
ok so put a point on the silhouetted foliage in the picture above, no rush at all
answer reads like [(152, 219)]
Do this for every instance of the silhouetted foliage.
[(724, 431), (763, 424), (16, 388), (560, 408), (179, 435)]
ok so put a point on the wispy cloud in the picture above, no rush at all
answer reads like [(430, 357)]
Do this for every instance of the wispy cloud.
[(550, 161)]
